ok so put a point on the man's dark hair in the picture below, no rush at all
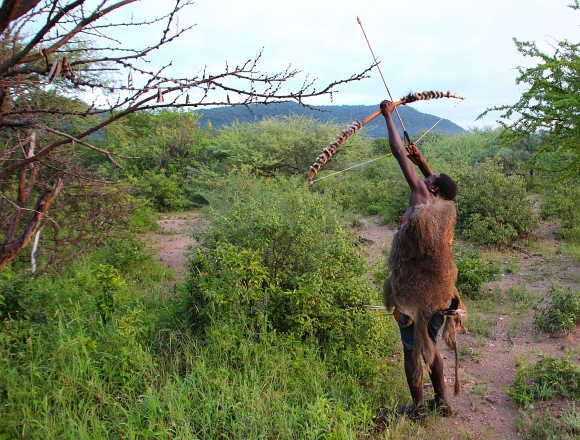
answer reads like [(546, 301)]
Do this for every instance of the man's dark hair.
[(447, 187)]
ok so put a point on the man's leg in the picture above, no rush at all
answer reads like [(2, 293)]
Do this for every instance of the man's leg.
[(438, 381), (437, 378), (416, 390), (417, 410)]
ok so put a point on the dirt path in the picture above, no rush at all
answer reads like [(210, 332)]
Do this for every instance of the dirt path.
[(489, 363), (173, 239), (484, 409)]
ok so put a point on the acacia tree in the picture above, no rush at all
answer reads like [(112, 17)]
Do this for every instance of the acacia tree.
[(550, 104), (55, 53)]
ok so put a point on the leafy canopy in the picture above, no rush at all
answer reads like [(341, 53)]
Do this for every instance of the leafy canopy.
[(550, 104)]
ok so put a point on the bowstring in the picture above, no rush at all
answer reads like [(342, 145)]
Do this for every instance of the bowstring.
[(352, 167), (440, 119)]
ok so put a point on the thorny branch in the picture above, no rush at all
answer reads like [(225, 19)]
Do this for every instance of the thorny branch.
[(54, 54)]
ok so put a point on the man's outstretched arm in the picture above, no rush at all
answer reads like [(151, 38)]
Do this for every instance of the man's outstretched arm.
[(398, 150)]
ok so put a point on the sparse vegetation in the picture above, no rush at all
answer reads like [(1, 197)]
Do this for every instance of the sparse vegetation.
[(546, 379), (535, 389), (562, 311), (473, 270)]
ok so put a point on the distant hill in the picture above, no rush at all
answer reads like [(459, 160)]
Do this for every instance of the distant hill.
[(414, 120)]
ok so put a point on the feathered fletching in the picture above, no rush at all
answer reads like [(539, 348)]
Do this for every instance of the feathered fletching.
[(424, 96), (327, 153)]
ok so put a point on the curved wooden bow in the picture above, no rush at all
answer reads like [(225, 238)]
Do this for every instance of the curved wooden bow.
[(351, 129)]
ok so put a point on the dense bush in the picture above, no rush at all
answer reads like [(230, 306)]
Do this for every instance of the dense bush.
[(492, 207), (387, 195), (166, 193), (99, 352), (278, 256), (18, 300), (284, 146)]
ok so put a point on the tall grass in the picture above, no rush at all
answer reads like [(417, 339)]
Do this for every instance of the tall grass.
[(104, 351)]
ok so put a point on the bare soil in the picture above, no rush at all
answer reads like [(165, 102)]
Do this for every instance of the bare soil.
[(489, 364), (173, 240)]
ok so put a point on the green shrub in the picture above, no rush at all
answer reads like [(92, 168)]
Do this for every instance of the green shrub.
[(547, 379), (559, 201), (110, 286), (379, 188), (562, 312), (20, 298), (279, 256), (284, 146), (493, 208), (165, 192), (473, 271)]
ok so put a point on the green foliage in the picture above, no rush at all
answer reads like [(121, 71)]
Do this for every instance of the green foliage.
[(562, 312), (547, 379), (166, 193), (377, 189), (540, 423), (161, 149), (18, 300), (449, 154), (493, 208), (110, 285), (144, 375), (549, 103), (123, 254), (473, 271), (166, 141), (283, 146), (559, 201), (278, 256)]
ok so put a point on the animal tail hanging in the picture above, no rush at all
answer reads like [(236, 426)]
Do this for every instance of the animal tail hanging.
[(351, 129)]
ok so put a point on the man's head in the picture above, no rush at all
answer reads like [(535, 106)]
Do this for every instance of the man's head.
[(441, 185)]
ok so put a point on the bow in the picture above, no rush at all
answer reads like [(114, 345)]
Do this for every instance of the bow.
[(351, 129)]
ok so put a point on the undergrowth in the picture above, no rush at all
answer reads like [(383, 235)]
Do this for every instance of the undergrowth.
[(562, 311), (107, 350), (546, 379), (536, 388)]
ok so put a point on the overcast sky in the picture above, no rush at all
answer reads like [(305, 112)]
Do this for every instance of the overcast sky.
[(464, 46)]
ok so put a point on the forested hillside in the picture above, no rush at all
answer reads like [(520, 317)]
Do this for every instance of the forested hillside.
[(414, 120)]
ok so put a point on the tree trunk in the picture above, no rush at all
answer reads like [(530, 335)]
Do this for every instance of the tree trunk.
[(13, 9), (12, 247)]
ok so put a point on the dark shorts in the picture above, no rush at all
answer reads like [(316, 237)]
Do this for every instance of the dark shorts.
[(407, 331)]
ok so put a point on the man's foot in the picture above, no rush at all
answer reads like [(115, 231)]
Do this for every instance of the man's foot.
[(415, 413), (440, 406), (382, 419)]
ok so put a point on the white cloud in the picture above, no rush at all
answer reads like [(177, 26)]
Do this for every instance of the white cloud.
[(460, 45)]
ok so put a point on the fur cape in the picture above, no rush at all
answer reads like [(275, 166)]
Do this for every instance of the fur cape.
[(422, 279)]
